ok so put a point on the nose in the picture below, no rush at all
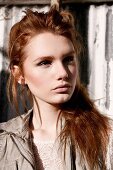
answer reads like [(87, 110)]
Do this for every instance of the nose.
[(61, 72)]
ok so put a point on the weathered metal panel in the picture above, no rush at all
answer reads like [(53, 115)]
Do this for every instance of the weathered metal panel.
[(45, 2), (100, 36)]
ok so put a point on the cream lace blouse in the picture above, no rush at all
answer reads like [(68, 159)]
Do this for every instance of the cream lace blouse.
[(48, 155)]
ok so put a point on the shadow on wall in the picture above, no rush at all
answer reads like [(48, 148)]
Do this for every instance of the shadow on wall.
[(7, 111), (4, 104), (80, 11)]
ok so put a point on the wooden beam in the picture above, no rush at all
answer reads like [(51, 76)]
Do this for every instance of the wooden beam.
[(44, 2)]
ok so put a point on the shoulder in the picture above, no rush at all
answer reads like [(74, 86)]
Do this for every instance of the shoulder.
[(11, 134), (16, 124), (11, 125), (14, 142)]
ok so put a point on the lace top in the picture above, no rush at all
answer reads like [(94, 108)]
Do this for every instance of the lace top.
[(48, 155)]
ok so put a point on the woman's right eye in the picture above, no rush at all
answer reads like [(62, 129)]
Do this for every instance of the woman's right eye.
[(44, 63)]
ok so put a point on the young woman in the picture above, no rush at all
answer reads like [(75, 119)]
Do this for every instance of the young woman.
[(63, 130)]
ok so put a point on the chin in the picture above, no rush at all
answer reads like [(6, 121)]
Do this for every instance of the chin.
[(62, 99)]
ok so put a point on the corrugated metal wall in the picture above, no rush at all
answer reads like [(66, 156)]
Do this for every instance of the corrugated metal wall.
[(100, 43), (96, 26)]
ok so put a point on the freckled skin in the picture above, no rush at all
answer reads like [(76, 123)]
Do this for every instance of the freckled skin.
[(50, 62)]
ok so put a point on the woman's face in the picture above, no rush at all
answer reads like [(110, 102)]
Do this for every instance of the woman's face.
[(50, 68)]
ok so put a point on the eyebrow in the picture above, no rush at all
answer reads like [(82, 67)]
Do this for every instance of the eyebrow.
[(69, 53), (52, 57), (43, 57)]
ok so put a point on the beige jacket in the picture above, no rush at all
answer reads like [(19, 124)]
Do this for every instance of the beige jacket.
[(16, 148)]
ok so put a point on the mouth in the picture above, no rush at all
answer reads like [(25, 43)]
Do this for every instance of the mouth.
[(62, 88)]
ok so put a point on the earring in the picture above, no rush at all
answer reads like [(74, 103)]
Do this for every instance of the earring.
[(21, 80)]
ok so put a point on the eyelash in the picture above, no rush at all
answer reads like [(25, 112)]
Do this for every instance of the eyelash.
[(69, 59), (66, 60), (45, 62)]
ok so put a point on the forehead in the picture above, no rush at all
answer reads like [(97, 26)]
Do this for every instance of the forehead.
[(45, 44)]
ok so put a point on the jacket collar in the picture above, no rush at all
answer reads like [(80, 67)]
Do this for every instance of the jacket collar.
[(18, 125)]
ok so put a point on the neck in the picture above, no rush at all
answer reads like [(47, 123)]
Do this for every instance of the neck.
[(45, 115)]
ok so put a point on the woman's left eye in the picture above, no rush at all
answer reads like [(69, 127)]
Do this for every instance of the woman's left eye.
[(69, 59)]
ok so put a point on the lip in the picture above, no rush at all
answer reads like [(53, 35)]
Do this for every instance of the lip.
[(62, 88)]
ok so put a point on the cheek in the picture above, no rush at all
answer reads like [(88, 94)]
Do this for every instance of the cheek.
[(34, 79), (73, 72)]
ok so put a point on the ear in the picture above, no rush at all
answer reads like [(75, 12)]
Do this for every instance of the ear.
[(17, 73)]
